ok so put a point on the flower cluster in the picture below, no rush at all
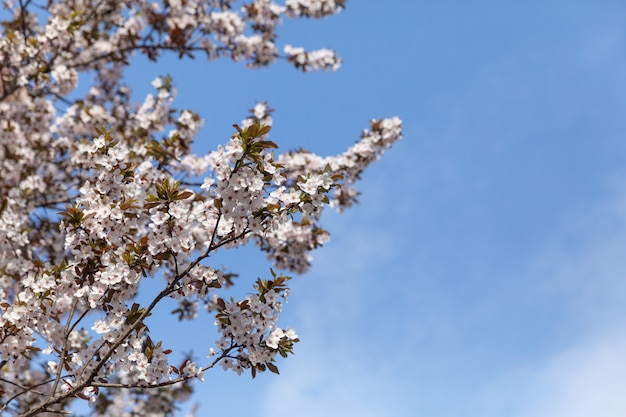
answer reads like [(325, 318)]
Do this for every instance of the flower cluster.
[(314, 60), (250, 337), (97, 194), (314, 8)]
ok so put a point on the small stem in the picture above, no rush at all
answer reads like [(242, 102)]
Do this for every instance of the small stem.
[(64, 351)]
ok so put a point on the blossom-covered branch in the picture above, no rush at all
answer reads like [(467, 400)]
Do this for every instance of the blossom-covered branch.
[(97, 194)]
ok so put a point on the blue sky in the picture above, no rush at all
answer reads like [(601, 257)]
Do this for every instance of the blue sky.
[(483, 272)]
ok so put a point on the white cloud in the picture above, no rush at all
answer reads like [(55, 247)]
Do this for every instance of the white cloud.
[(585, 267), (329, 383), (587, 379)]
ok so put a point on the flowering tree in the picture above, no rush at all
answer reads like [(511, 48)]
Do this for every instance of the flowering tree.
[(95, 198)]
